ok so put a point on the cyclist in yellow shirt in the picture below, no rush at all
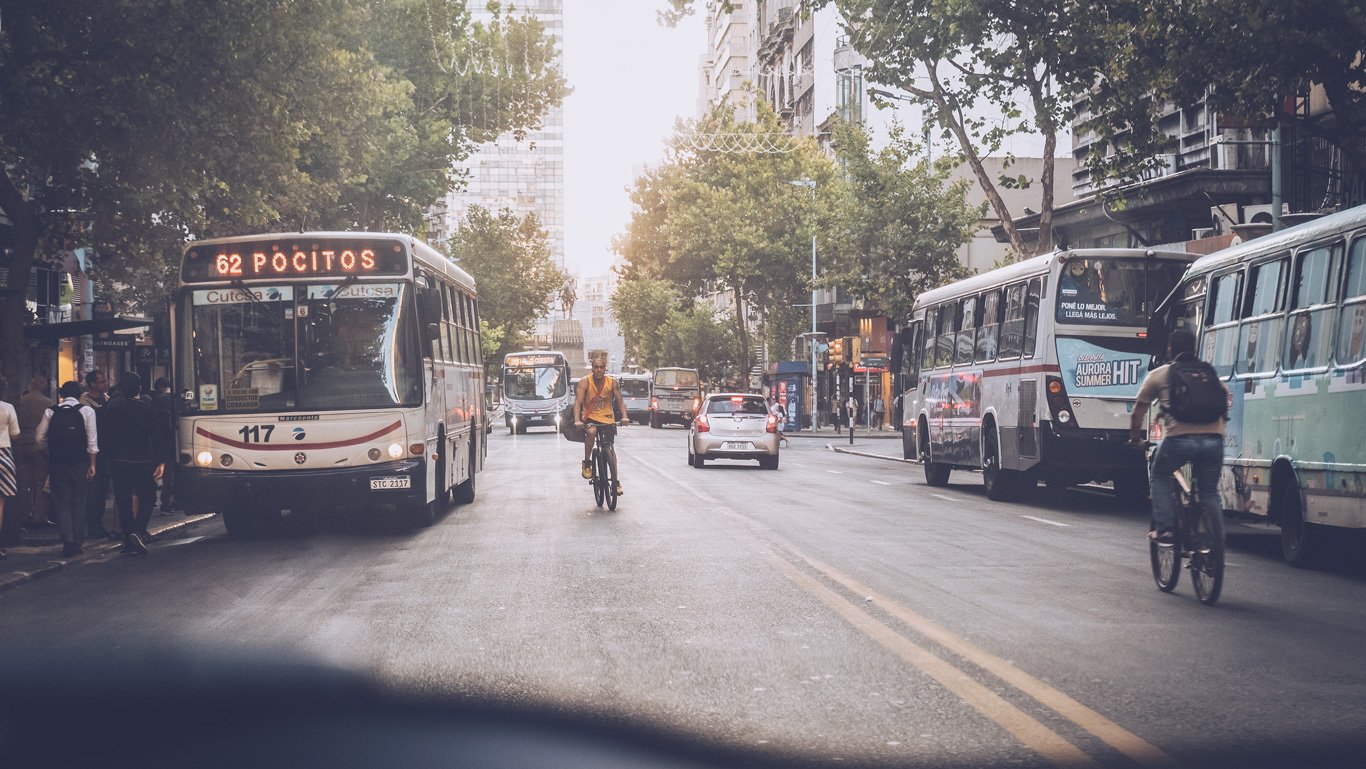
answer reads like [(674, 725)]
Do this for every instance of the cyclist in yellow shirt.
[(593, 411)]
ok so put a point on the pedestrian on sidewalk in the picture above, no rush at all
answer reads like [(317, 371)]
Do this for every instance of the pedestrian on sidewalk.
[(30, 507), (163, 404), (135, 443), (69, 434), (9, 429), (775, 407), (97, 397), (879, 411)]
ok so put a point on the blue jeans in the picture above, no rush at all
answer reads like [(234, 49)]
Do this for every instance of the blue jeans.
[(1205, 453)]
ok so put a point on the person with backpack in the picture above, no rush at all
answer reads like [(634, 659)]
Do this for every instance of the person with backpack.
[(69, 435), (1193, 405)]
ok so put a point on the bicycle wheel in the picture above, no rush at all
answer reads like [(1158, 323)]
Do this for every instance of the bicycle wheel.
[(1207, 557), (604, 473), (1166, 560), (599, 479)]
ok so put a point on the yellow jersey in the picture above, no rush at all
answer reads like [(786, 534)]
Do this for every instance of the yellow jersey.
[(597, 404)]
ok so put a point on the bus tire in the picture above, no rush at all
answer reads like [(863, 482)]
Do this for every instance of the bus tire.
[(1001, 485), (935, 474), (443, 486), (1301, 541), (464, 492)]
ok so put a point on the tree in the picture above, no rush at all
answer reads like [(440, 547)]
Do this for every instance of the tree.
[(509, 257), (900, 222), (664, 328), (710, 221), (1244, 58), (131, 126)]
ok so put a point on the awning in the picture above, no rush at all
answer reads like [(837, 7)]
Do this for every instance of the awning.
[(75, 328)]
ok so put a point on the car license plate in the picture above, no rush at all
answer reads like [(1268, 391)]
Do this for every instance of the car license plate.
[(736, 445), (391, 482)]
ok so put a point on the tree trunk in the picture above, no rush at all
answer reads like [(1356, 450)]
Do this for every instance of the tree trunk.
[(741, 328), (13, 307)]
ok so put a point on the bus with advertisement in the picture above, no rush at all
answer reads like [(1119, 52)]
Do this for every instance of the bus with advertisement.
[(1028, 372), (1281, 318), (325, 370), (536, 390)]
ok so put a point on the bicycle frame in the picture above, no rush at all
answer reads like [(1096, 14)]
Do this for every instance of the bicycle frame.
[(1198, 541), (603, 480)]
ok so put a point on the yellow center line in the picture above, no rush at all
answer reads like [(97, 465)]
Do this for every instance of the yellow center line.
[(1029, 731), (1140, 750)]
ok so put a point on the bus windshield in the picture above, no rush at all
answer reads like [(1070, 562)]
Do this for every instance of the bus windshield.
[(303, 347), (676, 378), (534, 383), (1114, 291)]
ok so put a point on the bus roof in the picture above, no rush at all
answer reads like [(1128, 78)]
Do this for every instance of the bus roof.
[(1037, 265), (423, 255), (1286, 239)]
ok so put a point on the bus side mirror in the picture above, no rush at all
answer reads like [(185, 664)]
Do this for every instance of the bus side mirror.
[(429, 304), (432, 331)]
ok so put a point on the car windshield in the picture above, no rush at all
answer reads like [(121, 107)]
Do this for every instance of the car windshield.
[(884, 502)]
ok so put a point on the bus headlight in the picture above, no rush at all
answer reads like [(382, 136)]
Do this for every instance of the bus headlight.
[(374, 455), (395, 451), (203, 459), (225, 460)]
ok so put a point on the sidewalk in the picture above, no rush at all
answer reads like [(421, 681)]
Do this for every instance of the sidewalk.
[(40, 550), (874, 444)]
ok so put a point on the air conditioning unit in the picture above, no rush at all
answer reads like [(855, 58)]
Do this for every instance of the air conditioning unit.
[(1222, 218), (1259, 214)]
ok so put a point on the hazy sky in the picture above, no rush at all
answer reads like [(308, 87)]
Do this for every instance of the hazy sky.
[(631, 78)]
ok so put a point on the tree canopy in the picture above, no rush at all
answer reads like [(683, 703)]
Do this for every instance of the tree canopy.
[(510, 258), (131, 126)]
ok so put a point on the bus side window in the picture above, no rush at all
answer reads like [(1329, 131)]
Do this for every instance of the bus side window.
[(447, 343), (1308, 343), (1263, 325), (948, 329), (989, 334), (1012, 331), (478, 340), (1350, 349), (969, 316), (1031, 317), (929, 338), (1221, 316), (910, 355), (471, 331)]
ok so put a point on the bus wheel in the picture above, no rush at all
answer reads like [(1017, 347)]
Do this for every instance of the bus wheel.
[(464, 492), (1301, 542), (443, 486), (936, 473), (1000, 484)]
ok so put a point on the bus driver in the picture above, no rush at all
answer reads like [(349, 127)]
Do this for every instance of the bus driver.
[(596, 405)]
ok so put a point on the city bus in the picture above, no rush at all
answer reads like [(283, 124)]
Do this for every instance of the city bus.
[(536, 390), (325, 370), (635, 392), (1028, 373), (1281, 318)]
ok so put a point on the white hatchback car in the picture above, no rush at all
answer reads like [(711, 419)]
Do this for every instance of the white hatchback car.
[(733, 426)]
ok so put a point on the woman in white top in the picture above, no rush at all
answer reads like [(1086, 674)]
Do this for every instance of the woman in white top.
[(9, 429)]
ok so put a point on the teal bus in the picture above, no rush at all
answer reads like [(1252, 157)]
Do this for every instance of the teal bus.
[(1281, 318)]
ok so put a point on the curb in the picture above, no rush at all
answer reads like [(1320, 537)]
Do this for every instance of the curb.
[(15, 578), (869, 455)]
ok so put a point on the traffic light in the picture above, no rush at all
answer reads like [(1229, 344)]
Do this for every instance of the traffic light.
[(836, 352)]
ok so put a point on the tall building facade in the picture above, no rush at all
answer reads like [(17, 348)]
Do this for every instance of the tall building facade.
[(525, 176)]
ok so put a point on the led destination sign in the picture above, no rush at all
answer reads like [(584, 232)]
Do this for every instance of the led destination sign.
[(300, 259)]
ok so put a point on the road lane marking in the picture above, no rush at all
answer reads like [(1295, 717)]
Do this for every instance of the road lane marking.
[(1029, 731), (1045, 520), (882, 483), (1141, 751), (941, 496), (834, 472)]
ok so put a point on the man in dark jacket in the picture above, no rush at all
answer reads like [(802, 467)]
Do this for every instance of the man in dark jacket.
[(135, 442)]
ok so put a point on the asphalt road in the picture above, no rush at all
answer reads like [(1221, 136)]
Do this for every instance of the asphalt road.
[(836, 607)]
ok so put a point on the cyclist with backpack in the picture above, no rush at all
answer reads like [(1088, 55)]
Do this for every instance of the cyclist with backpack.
[(1193, 407), (69, 434)]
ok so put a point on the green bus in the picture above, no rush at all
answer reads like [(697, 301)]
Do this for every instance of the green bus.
[(1281, 318)]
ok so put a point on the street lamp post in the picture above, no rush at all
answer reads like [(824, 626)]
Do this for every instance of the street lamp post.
[(815, 415)]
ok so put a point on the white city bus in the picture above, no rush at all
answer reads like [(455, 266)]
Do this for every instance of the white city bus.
[(1281, 317), (536, 390), (1028, 372), (325, 370), (635, 393)]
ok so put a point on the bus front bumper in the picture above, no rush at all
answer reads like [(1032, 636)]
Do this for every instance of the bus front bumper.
[(203, 490)]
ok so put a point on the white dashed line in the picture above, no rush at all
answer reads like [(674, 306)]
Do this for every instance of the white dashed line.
[(882, 483), (1045, 520)]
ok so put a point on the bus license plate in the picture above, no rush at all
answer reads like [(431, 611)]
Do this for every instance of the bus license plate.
[(736, 446), (391, 482)]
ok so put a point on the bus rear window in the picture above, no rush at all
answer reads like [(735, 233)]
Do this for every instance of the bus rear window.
[(1110, 291)]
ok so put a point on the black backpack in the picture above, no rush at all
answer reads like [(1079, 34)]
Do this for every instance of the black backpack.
[(1195, 394), (66, 440)]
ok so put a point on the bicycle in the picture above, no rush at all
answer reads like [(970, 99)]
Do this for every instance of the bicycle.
[(603, 482), (1196, 538)]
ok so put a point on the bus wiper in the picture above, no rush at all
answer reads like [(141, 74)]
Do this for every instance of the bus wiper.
[(346, 282), (242, 286)]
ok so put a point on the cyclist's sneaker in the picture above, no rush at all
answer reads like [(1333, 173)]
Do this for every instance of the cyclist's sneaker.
[(587, 471), (1160, 536), (616, 489)]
